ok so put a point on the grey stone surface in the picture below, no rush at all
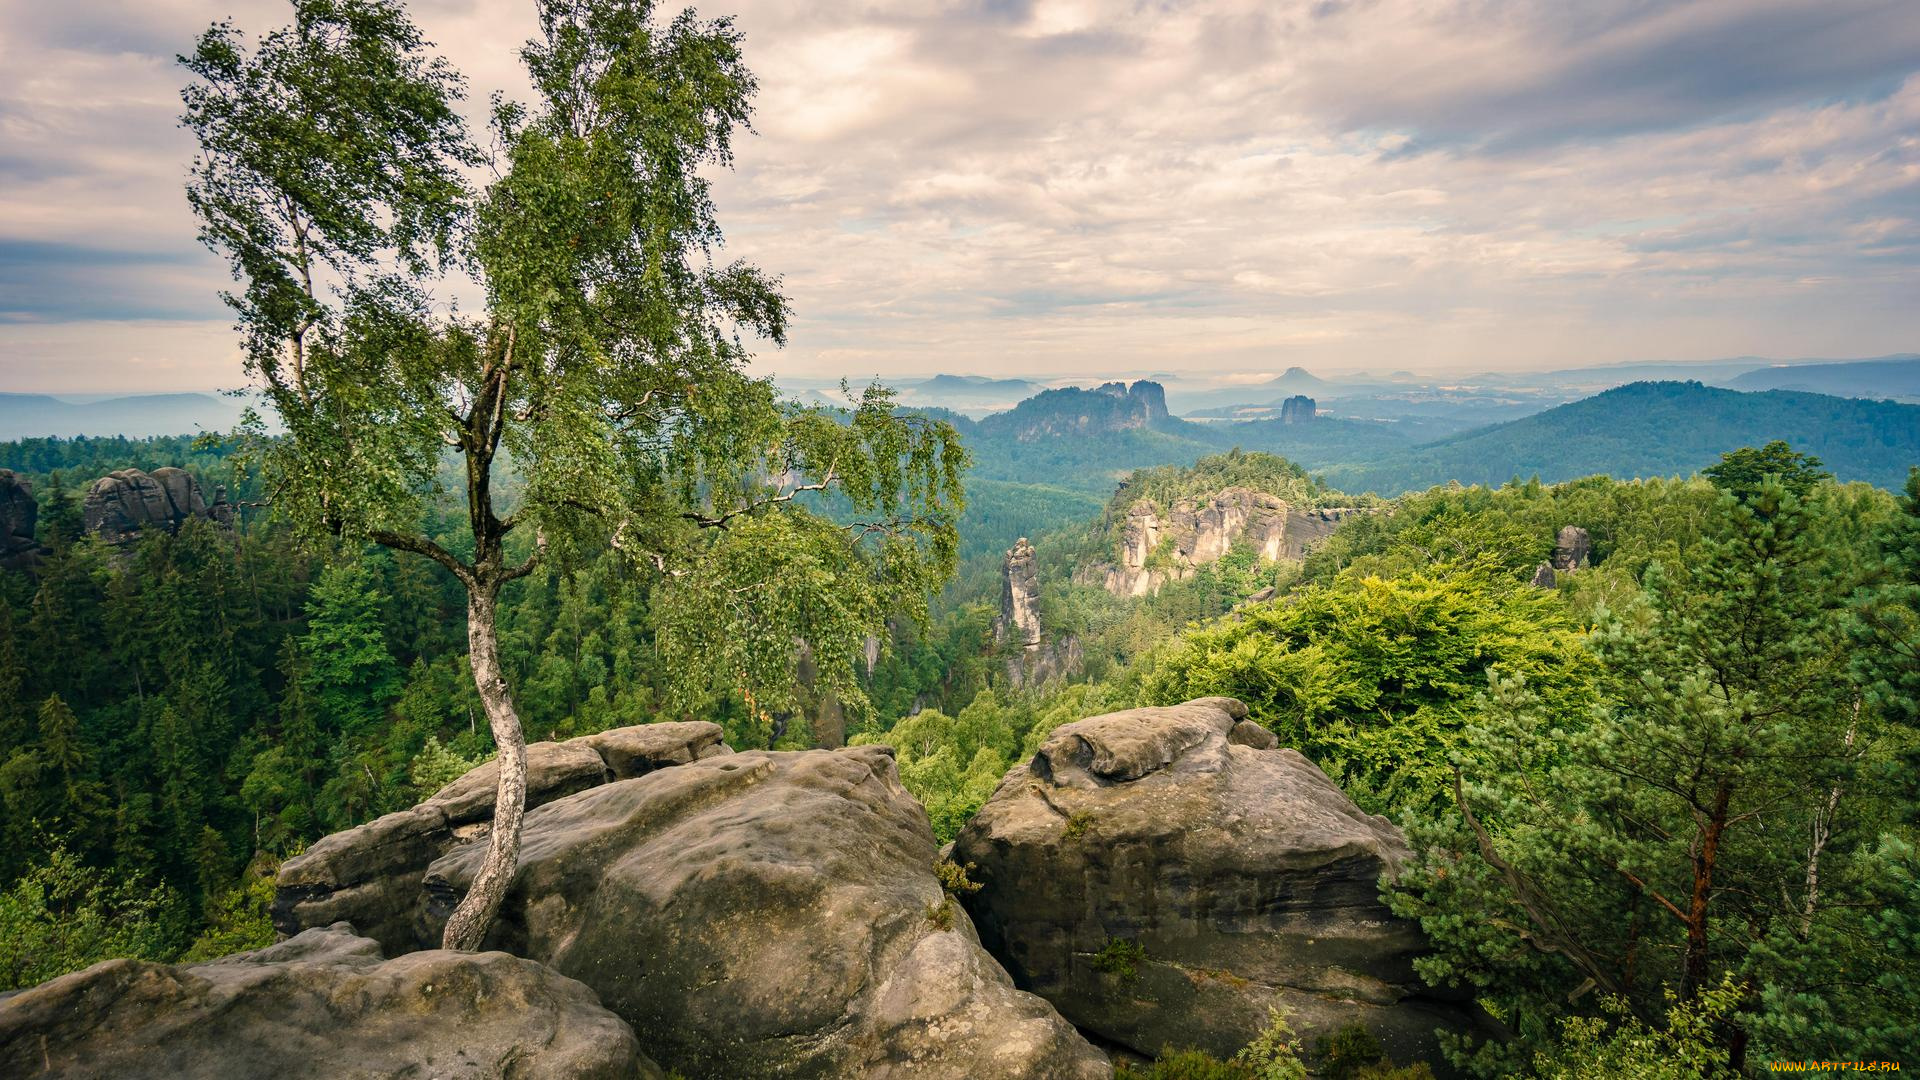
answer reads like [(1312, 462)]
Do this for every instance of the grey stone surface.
[(320, 1006), (372, 875), (770, 914), (1245, 875)]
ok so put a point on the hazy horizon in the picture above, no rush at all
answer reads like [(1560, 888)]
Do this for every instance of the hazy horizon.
[(1076, 191)]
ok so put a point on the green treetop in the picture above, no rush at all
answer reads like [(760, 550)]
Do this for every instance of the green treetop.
[(605, 356)]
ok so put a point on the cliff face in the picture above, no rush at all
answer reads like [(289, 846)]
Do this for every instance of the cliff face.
[(1031, 659), (19, 514), (1298, 409), (1199, 531), (1019, 619), (122, 503), (1113, 406)]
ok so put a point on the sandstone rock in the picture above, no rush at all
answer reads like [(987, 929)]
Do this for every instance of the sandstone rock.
[(121, 503), (1572, 548), (1204, 529), (1298, 409), (1019, 619), (322, 1005), (19, 515), (1073, 411), (372, 876), (770, 914), (1246, 876), (1544, 577)]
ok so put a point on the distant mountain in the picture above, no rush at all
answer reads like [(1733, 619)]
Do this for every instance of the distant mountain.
[(1297, 380), (1656, 429), (973, 394), (1895, 377), (25, 416)]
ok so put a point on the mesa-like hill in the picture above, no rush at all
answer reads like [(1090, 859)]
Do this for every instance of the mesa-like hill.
[(28, 416), (1884, 377), (1656, 429)]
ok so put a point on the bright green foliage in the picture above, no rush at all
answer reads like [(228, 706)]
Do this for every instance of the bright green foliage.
[(1742, 473), (240, 919), (435, 766), (607, 360), (1619, 1044), (951, 764), (1168, 484), (1120, 958), (1715, 811), (1274, 1054), (62, 916), (1373, 678)]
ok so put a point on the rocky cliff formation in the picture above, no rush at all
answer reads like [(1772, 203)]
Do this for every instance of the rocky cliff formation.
[(752, 914), (1031, 658), (324, 1005), (374, 876), (1298, 409), (1572, 550), (121, 503), (1166, 875), (19, 515), (1158, 544), (769, 914), (1019, 620), (1113, 406)]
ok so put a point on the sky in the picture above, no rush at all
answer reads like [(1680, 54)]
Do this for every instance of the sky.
[(1080, 188)]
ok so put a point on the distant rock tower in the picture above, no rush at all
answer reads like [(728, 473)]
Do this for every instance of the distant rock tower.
[(1297, 409), (1572, 550), (1019, 619)]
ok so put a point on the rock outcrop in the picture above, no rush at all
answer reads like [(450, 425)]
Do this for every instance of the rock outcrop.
[(1298, 409), (19, 516), (1019, 620), (1165, 875), (1572, 550), (121, 503), (323, 1005), (1071, 411), (770, 914), (373, 876), (1199, 531)]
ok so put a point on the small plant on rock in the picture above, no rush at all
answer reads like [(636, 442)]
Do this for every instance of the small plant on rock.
[(1120, 958), (953, 878), (940, 915), (1078, 823)]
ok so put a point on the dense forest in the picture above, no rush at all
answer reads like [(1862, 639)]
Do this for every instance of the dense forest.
[(1664, 807)]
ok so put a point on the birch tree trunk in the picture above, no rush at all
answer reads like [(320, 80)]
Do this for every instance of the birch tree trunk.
[(467, 927)]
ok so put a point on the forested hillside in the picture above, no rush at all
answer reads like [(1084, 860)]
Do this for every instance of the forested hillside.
[(1655, 429), (181, 713)]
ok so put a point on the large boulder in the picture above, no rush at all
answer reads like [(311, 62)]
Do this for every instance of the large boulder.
[(770, 914), (323, 1005), (372, 876), (1165, 876)]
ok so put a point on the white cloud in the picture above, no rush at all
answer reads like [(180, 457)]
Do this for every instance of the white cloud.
[(1079, 187)]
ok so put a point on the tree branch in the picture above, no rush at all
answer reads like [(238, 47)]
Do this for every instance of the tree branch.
[(720, 522), (420, 545), (1532, 901)]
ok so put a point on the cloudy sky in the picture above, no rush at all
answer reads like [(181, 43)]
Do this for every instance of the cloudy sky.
[(1082, 187)]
